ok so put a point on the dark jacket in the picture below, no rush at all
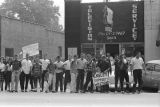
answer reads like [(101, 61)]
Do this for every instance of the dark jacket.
[(103, 65), (123, 66)]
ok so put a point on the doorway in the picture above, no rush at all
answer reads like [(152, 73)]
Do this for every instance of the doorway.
[(113, 49)]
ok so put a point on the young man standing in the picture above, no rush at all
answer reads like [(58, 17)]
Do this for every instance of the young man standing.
[(124, 73), (137, 65), (117, 72), (25, 74), (51, 70), (81, 63), (104, 66), (16, 70), (67, 67), (36, 73), (44, 63), (59, 73), (90, 68)]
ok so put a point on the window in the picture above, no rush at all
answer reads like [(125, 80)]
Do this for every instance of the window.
[(157, 68), (40, 54), (149, 67), (60, 51), (9, 52)]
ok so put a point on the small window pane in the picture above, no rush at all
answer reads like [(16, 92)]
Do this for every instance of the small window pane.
[(149, 67), (157, 68)]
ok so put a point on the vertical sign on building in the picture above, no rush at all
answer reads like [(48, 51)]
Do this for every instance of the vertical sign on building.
[(134, 18), (90, 19)]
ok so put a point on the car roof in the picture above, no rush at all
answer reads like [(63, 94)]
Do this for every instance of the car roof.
[(154, 62)]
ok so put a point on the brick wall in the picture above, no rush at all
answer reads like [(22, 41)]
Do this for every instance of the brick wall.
[(16, 34)]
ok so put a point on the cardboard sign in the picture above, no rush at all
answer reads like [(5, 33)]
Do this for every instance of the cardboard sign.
[(100, 79), (32, 50)]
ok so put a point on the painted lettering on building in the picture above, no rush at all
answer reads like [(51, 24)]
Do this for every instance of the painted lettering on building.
[(90, 19), (134, 18)]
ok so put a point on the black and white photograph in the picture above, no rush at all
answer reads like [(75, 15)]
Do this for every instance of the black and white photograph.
[(79, 53)]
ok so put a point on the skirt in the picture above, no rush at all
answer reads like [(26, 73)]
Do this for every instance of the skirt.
[(1, 76)]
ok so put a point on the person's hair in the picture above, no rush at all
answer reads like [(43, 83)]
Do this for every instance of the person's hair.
[(75, 56), (58, 57)]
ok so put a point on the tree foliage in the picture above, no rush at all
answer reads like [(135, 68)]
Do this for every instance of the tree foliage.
[(43, 12)]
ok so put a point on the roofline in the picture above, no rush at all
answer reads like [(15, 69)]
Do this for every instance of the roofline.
[(33, 23)]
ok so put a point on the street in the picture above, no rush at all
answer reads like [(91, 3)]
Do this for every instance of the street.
[(67, 99)]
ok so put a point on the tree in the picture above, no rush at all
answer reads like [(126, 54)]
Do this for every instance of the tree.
[(43, 12)]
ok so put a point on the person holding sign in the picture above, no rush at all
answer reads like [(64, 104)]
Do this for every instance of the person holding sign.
[(90, 68), (104, 66)]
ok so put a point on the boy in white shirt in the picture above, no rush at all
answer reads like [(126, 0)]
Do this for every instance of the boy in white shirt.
[(59, 73), (25, 74)]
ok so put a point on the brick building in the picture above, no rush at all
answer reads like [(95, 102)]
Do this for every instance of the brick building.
[(15, 34)]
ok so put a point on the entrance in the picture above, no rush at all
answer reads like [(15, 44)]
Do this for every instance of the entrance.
[(113, 49)]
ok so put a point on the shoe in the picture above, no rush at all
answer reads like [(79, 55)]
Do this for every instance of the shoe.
[(91, 91), (127, 91), (115, 92), (138, 92), (16, 91), (22, 90), (76, 92), (158, 91), (53, 91), (46, 92), (122, 92), (25, 90), (12, 91)]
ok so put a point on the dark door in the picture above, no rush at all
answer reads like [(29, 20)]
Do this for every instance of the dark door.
[(113, 49)]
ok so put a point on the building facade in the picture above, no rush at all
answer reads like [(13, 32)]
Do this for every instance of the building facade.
[(116, 27), (15, 34)]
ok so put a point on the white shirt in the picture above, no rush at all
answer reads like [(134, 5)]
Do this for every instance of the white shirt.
[(59, 66), (44, 63), (81, 63), (137, 63), (67, 65), (26, 66), (2, 67)]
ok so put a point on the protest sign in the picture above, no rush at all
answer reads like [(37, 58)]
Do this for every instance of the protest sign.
[(100, 79), (32, 49)]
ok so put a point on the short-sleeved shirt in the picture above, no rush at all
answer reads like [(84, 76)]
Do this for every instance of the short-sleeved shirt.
[(137, 63), (16, 65), (44, 63), (51, 68), (26, 66), (2, 67), (36, 70), (81, 63), (67, 65), (59, 67)]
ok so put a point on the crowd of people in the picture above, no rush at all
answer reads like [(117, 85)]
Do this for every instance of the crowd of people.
[(77, 73)]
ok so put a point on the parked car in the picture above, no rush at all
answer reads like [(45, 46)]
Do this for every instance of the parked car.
[(151, 75)]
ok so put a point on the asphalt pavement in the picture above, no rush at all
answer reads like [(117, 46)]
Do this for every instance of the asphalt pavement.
[(33, 99)]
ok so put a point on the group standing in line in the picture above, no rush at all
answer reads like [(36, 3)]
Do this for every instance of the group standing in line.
[(75, 72)]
